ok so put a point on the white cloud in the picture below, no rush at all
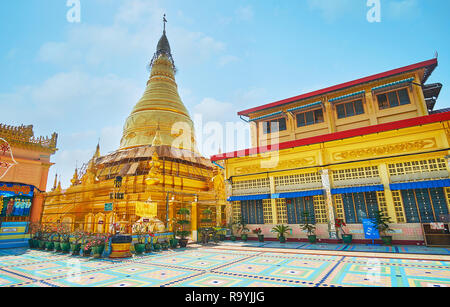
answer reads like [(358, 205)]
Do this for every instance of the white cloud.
[(136, 24)]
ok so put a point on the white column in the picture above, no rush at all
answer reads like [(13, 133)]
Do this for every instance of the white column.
[(329, 200)]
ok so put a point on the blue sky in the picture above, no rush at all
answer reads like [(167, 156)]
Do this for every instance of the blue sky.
[(81, 80)]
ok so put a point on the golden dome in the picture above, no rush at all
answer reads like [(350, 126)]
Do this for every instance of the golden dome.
[(161, 106)]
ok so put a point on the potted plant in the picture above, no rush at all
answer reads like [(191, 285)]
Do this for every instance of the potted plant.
[(86, 246), (281, 231), (206, 220), (173, 241), (49, 234), (183, 222), (149, 245), (140, 231), (34, 235), (258, 232), (381, 222), (156, 245), (64, 235), (56, 239), (97, 245), (309, 228), (77, 238), (242, 228), (340, 226), (231, 228)]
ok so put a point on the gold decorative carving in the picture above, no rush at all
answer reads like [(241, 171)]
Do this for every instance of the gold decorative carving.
[(383, 150), (308, 161)]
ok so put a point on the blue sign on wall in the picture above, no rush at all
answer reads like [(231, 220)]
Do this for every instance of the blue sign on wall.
[(370, 230)]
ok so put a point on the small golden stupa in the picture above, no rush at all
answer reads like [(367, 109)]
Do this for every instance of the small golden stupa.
[(156, 171)]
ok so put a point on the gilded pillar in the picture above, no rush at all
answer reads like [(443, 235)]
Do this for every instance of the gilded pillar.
[(194, 226)]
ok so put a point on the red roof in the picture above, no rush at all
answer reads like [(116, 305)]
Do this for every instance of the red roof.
[(418, 121), (429, 65)]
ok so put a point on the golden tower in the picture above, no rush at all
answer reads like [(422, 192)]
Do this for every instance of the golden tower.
[(158, 165)]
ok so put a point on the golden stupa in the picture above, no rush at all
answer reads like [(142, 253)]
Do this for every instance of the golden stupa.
[(156, 170)]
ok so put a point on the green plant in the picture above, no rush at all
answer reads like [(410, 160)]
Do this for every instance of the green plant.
[(182, 222), (140, 231), (281, 230), (242, 226), (381, 222), (207, 216), (64, 233), (309, 228)]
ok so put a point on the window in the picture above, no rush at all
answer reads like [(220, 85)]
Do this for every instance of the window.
[(424, 205), (358, 206), (252, 212), (274, 126), (393, 99), (296, 207), (310, 118), (350, 109)]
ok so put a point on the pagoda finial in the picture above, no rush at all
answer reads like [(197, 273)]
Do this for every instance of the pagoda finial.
[(97, 150), (164, 21), (55, 184)]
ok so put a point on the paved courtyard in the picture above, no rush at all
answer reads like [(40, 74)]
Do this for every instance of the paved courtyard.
[(227, 265)]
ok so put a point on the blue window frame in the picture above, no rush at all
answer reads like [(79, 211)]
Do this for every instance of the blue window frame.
[(297, 206), (252, 212), (358, 206), (424, 205)]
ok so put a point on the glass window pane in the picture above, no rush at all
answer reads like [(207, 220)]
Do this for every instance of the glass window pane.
[(309, 118), (318, 114), (359, 109), (282, 124), (349, 109), (266, 127), (382, 102), (404, 97), (274, 126), (393, 99), (301, 120), (340, 111)]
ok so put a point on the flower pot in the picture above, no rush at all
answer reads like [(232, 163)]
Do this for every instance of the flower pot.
[(98, 251), (244, 238), (31, 243), (183, 243), (86, 253), (49, 246), (41, 244), (282, 239), (164, 246), (387, 240), (65, 247), (261, 238), (139, 248), (312, 239), (347, 239), (221, 237), (233, 238), (75, 248), (157, 247), (57, 246), (148, 247), (173, 243)]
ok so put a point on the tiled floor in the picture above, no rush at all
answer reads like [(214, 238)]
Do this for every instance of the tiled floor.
[(410, 249), (222, 266)]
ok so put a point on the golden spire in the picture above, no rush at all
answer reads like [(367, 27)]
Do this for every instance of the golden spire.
[(55, 183), (97, 151), (159, 103), (74, 180)]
